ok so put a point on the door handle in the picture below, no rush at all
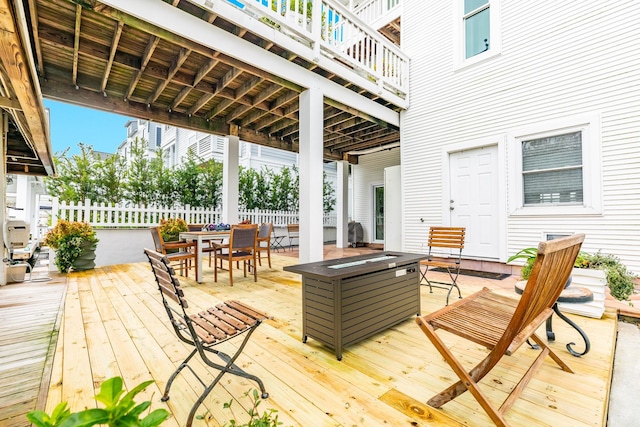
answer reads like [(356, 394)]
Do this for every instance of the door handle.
[(451, 206)]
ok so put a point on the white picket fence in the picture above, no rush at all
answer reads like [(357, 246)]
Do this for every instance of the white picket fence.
[(103, 215)]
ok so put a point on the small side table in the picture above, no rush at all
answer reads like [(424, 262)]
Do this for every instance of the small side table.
[(276, 243), (572, 294)]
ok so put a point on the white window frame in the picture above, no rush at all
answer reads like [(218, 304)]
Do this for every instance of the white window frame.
[(589, 125), (495, 31)]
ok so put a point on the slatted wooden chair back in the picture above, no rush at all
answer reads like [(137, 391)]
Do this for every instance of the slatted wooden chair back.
[(550, 272), (447, 237), (204, 330)]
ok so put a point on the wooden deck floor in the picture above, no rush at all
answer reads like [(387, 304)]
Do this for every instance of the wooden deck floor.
[(114, 324), (30, 315)]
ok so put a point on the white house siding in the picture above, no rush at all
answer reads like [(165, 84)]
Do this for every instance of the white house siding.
[(558, 60), (368, 172)]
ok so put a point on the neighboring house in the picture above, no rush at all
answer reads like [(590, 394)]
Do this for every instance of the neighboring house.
[(524, 124), (141, 130)]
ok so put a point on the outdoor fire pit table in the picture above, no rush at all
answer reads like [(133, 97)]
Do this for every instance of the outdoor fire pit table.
[(349, 299)]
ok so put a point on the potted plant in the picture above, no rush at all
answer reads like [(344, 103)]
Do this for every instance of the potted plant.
[(529, 255), (171, 228), (75, 244)]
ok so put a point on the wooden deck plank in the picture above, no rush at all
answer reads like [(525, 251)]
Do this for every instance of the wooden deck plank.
[(385, 379), (29, 323)]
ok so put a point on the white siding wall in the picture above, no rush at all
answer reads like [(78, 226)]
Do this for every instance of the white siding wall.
[(558, 60), (368, 172)]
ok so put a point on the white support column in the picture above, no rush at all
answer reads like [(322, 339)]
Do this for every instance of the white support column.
[(342, 204), (311, 148), (230, 180), (3, 193)]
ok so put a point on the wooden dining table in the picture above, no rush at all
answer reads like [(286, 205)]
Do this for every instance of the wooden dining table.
[(200, 237)]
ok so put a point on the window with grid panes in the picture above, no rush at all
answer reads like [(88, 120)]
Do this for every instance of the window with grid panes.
[(552, 170)]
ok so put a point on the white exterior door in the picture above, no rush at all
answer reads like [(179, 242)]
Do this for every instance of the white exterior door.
[(474, 200)]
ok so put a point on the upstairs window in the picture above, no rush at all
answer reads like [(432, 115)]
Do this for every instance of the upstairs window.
[(477, 26), (552, 170)]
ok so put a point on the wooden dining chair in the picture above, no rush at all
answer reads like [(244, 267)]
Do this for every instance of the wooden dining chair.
[(263, 243), (205, 330), (502, 324), (184, 253), (241, 247), (293, 232)]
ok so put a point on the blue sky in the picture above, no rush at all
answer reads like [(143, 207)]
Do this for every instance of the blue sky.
[(70, 124)]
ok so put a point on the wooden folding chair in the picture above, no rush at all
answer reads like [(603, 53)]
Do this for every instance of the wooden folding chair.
[(502, 324), (450, 239), (293, 233), (205, 329)]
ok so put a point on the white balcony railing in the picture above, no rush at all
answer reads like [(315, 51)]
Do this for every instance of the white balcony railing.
[(378, 12), (331, 30)]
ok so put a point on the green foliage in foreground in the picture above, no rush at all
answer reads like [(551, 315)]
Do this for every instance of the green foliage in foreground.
[(119, 411)]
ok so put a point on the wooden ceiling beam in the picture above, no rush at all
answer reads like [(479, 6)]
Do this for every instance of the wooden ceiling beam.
[(76, 43), (177, 62), (202, 71), (222, 83), (181, 41), (146, 57), (33, 17), (114, 47)]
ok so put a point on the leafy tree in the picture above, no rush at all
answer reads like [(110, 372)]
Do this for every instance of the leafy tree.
[(111, 176), (138, 189), (247, 185), (76, 179), (163, 180), (188, 181), (211, 184), (328, 194), (195, 182)]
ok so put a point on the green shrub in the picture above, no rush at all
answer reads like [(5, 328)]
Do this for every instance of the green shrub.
[(620, 281)]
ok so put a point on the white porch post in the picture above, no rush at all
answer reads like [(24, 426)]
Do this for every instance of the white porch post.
[(311, 148), (342, 204), (230, 180), (3, 191)]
